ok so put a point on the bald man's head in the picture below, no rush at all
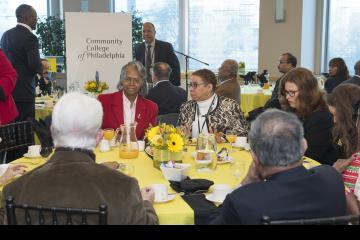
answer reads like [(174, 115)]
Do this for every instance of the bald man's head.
[(149, 32)]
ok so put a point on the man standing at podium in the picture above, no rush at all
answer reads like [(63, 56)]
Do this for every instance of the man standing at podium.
[(152, 51)]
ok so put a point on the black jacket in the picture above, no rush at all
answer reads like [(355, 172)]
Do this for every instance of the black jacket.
[(168, 97), (164, 52), (22, 49), (317, 132), (293, 194), (332, 82)]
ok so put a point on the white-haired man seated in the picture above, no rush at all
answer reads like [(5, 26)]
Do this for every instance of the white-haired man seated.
[(71, 178)]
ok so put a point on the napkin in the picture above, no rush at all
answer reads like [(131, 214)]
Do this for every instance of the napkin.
[(42, 130), (189, 186)]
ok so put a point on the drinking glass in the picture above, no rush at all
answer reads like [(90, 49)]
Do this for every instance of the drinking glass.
[(109, 134), (231, 137), (238, 169), (206, 159)]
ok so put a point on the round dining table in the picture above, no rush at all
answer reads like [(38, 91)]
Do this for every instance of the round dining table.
[(253, 96), (176, 211)]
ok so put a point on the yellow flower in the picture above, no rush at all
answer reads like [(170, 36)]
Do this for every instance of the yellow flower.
[(93, 85), (175, 143), (157, 140)]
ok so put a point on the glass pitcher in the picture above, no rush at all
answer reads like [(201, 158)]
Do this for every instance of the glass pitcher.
[(128, 145), (206, 160)]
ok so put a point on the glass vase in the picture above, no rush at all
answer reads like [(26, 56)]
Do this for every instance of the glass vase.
[(160, 156)]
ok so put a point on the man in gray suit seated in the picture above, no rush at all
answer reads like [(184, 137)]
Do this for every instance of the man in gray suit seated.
[(71, 177)]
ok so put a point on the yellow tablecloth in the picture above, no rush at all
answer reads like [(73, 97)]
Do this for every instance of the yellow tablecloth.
[(41, 113), (253, 97), (176, 212)]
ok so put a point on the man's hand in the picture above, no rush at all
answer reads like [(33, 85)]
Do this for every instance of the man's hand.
[(11, 172), (252, 176), (148, 194)]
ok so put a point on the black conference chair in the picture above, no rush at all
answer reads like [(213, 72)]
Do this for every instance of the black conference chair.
[(171, 118), (52, 215), (342, 220), (15, 136)]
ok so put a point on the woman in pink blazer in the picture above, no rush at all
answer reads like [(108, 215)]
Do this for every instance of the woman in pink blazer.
[(8, 77), (126, 105)]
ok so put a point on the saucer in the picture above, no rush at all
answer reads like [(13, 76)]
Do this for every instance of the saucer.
[(211, 198), (169, 198), (29, 156), (229, 159)]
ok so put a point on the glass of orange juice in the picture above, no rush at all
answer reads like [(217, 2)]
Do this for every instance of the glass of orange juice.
[(109, 134), (231, 137)]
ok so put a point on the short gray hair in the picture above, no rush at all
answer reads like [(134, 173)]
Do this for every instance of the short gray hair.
[(134, 64), (76, 120), (276, 138)]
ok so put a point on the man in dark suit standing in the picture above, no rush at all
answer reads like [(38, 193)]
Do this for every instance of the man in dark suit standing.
[(152, 51), (22, 49), (356, 78), (168, 97), (277, 184)]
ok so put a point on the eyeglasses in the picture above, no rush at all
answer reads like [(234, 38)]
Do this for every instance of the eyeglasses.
[(282, 62), (290, 93), (195, 85), (130, 80)]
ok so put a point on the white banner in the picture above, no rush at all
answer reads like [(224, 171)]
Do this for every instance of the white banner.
[(97, 42)]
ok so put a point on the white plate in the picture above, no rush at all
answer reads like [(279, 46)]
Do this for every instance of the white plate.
[(29, 156), (148, 151), (228, 160), (169, 197), (211, 198)]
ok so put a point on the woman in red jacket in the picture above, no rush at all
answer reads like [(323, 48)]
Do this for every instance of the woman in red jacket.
[(126, 105), (8, 77)]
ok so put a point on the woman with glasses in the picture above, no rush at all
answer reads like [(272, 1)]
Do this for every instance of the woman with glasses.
[(338, 72), (126, 106), (344, 104), (300, 94), (207, 112)]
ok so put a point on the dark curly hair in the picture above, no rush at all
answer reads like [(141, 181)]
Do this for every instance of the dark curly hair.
[(346, 100)]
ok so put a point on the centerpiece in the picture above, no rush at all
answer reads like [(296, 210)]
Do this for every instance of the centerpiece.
[(95, 87), (167, 143)]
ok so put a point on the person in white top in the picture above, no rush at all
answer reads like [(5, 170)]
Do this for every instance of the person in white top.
[(207, 112)]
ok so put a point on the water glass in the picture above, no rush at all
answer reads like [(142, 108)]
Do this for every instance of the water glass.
[(206, 159)]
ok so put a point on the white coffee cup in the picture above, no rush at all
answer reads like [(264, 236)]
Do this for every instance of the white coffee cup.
[(219, 191), (241, 141), (34, 150), (161, 192), (104, 145), (141, 146)]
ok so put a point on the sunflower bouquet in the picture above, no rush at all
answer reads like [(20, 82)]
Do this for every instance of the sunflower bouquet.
[(94, 86), (166, 137)]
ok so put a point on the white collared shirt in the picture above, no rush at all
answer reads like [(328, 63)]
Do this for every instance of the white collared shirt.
[(152, 49), (129, 110), (160, 82), (26, 26)]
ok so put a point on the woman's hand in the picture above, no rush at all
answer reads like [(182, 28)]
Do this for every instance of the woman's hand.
[(341, 164)]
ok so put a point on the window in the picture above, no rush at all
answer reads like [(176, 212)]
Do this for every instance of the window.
[(219, 30), (164, 14), (343, 32), (7, 12)]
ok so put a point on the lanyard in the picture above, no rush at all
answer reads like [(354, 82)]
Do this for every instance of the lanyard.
[(198, 115)]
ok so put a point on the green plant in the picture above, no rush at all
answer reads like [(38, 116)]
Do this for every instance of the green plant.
[(137, 25), (51, 32)]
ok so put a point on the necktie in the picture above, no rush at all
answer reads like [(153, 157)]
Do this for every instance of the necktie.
[(148, 63)]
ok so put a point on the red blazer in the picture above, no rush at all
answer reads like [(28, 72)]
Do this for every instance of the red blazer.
[(145, 114), (8, 77)]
